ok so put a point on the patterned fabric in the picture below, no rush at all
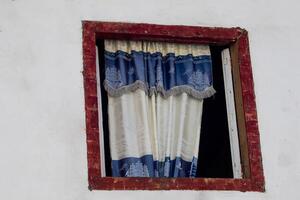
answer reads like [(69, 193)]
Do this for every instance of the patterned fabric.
[(155, 135), (168, 74), (146, 166)]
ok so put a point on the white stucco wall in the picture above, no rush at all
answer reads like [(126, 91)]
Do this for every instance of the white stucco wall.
[(42, 125)]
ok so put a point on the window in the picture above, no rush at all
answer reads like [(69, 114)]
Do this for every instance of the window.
[(242, 137)]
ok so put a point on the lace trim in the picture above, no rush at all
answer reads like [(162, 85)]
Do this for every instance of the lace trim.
[(208, 92)]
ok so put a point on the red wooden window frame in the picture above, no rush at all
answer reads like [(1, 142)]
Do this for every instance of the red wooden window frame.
[(188, 34)]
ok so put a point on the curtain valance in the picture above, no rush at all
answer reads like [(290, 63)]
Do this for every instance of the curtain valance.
[(169, 73)]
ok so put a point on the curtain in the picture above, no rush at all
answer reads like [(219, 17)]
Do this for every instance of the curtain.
[(155, 97)]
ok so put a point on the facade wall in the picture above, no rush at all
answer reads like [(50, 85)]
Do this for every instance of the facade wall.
[(42, 125)]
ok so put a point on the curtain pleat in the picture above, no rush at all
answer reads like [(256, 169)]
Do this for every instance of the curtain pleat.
[(154, 135)]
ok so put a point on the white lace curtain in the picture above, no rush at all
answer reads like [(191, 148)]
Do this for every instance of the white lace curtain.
[(154, 127)]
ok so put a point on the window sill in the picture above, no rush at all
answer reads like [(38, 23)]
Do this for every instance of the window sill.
[(113, 183)]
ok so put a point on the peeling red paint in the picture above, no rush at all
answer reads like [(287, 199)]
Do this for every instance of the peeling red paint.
[(257, 177), (186, 34)]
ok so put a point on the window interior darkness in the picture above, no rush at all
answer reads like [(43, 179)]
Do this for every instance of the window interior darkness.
[(214, 159)]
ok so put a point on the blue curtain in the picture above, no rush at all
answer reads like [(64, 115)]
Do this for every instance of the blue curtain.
[(155, 97), (153, 72)]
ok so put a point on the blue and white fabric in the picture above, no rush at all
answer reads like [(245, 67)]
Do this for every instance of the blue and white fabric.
[(155, 97), (154, 72)]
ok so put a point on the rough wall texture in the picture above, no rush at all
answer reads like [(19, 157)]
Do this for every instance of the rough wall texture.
[(42, 140)]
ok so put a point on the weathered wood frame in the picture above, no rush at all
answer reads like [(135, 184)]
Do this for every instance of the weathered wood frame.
[(237, 39)]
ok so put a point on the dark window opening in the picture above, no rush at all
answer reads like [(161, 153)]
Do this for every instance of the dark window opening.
[(214, 159), (104, 101)]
